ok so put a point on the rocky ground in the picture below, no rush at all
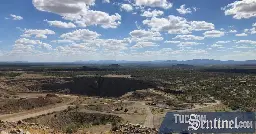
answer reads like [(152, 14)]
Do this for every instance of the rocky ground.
[(25, 128), (33, 128), (8, 106), (133, 129)]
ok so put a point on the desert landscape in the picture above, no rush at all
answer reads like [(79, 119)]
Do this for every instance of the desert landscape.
[(115, 100)]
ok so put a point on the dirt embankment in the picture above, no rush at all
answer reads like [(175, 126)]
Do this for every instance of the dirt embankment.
[(17, 105), (72, 120)]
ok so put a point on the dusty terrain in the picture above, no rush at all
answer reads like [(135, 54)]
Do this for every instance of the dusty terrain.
[(91, 104)]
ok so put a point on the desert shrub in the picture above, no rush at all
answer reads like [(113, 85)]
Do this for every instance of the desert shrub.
[(71, 129), (13, 74)]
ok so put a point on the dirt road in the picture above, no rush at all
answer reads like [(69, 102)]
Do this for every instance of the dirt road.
[(149, 121), (39, 111)]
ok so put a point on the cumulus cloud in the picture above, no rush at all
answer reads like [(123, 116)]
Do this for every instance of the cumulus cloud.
[(127, 7), (37, 33), (201, 25), (253, 30), (246, 42), (172, 24), (90, 17), (143, 35), (80, 34), (181, 44), (75, 49), (90, 40), (243, 9), (78, 11), (184, 10), (16, 17), (232, 31), (217, 46), (63, 41), (188, 37), (172, 42), (154, 3), (27, 44), (115, 45), (153, 13), (241, 34), (61, 24), (62, 6), (143, 45), (213, 34), (106, 1), (223, 42), (177, 25)]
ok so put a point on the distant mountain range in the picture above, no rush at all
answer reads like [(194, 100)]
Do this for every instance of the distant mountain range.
[(141, 63), (173, 62)]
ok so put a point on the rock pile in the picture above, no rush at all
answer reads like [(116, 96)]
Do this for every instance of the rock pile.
[(134, 129), (22, 128)]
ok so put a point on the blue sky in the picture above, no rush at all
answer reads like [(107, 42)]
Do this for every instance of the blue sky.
[(71, 30)]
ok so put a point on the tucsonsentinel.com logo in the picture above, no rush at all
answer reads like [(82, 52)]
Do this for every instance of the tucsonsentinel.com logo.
[(212, 122)]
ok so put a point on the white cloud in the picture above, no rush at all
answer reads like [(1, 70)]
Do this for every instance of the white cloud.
[(90, 17), (172, 42), (201, 25), (114, 45), (233, 31), (143, 36), (106, 1), (27, 44), (217, 46), (127, 7), (241, 34), (189, 43), (15, 17), (177, 25), (27, 41), (246, 42), (243, 46), (153, 13), (62, 6), (246, 30), (61, 24), (99, 46), (253, 30), (38, 33), (184, 10), (62, 41), (154, 3), (75, 49), (80, 34), (254, 24), (78, 11), (45, 46), (241, 9), (188, 37), (213, 34), (143, 45), (183, 44), (172, 24), (223, 42)]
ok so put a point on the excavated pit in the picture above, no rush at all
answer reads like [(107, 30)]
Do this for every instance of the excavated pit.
[(99, 86)]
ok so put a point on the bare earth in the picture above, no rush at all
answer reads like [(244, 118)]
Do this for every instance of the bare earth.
[(40, 111), (149, 120)]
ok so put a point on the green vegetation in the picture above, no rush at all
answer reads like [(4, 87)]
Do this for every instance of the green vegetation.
[(10, 74)]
